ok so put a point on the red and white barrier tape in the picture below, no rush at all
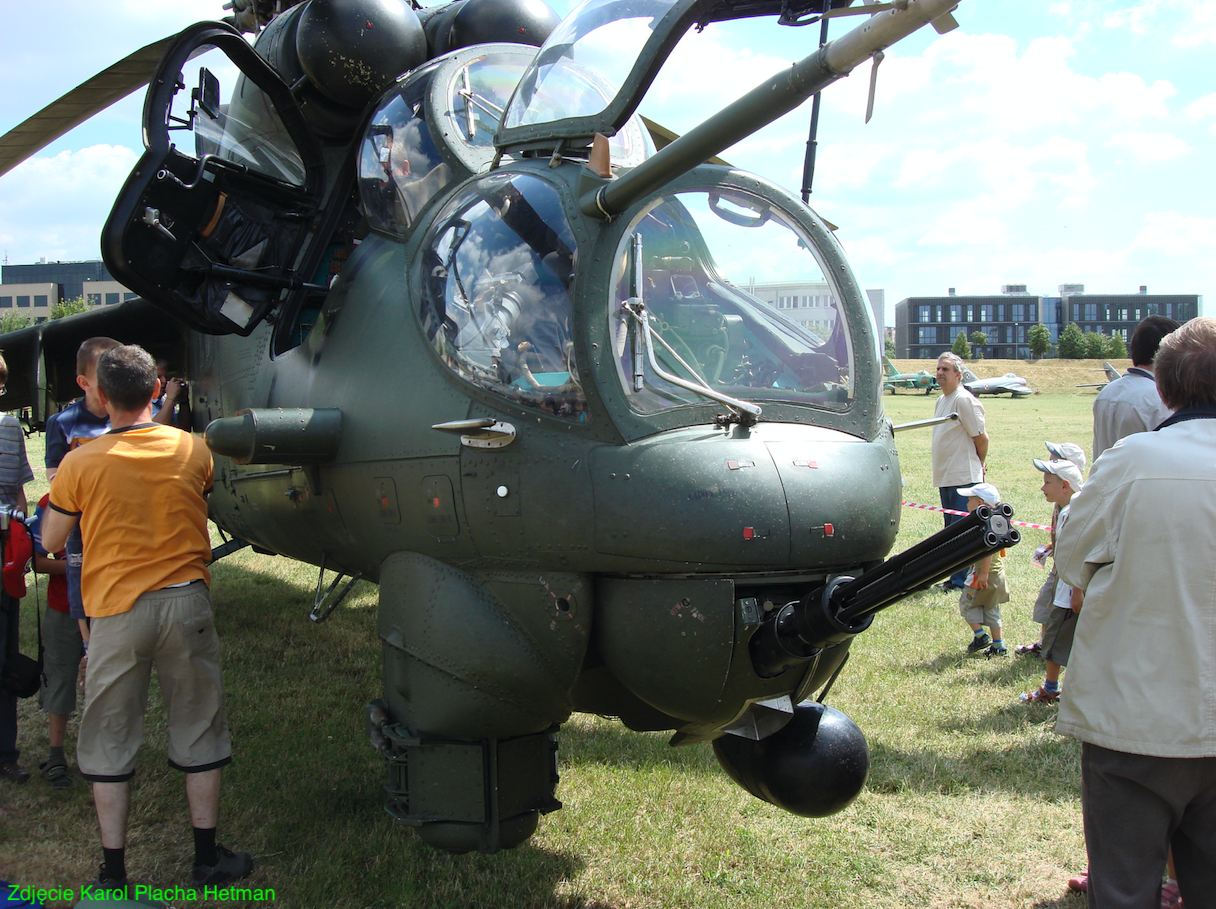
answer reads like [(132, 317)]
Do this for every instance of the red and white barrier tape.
[(965, 513)]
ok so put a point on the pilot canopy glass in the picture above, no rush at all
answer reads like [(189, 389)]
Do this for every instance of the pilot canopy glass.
[(720, 291), (496, 272), (243, 129), (585, 61)]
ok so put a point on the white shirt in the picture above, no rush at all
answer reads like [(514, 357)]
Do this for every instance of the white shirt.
[(955, 461), (1128, 405), (1141, 539)]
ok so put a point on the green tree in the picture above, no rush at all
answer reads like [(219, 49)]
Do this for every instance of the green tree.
[(961, 347), (1095, 345), (1116, 349), (888, 347), (1072, 343), (12, 321), (69, 307), (978, 340), (1039, 338)]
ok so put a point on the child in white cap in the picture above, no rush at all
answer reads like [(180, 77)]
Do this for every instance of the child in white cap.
[(1065, 451), (1062, 479), (980, 602)]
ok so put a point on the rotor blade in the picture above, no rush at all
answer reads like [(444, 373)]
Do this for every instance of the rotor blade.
[(85, 100)]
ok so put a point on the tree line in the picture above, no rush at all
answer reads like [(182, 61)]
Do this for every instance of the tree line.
[(14, 321), (1073, 344)]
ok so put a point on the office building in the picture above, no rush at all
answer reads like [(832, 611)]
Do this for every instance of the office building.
[(925, 327)]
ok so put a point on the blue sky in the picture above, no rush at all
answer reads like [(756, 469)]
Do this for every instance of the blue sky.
[(1041, 143)]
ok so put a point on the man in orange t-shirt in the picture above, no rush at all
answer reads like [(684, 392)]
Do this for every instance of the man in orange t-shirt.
[(139, 493)]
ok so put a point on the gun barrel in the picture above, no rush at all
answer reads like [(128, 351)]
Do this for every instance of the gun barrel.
[(845, 607)]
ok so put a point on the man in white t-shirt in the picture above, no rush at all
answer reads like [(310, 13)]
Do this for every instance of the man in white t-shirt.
[(959, 447)]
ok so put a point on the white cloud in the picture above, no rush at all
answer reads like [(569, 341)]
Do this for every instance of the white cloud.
[(1151, 146), (54, 206), (1169, 233)]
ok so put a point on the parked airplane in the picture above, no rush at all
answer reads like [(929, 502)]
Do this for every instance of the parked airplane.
[(1111, 375), (893, 378), (998, 385)]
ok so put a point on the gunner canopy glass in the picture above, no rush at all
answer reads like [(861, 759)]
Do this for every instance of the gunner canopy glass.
[(496, 273)]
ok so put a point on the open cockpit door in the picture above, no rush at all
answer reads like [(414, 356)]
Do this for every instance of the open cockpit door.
[(210, 224)]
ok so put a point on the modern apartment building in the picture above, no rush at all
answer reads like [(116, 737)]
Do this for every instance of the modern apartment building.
[(33, 290), (927, 326)]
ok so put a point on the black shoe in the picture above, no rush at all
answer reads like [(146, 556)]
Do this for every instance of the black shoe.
[(978, 643), (232, 866), (107, 887), (947, 587), (994, 650)]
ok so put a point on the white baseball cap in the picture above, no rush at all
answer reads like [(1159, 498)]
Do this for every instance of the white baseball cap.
[(1067, 451), (1064, 469), (985, 492)]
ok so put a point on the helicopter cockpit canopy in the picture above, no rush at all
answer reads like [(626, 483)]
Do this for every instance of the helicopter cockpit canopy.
[(592, 71), (437, 125), (497, 265), (721, 293)]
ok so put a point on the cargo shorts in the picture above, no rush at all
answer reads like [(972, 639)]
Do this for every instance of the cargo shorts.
[(173, 630), (62, 650)]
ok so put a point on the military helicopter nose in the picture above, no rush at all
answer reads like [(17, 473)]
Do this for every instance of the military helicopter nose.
[(781, 496)]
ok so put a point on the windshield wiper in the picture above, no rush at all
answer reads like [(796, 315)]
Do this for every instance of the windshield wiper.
[(643, 336)]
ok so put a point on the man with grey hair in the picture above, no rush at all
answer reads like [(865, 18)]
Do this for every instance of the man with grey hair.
[(1141, 692), (959, 446)]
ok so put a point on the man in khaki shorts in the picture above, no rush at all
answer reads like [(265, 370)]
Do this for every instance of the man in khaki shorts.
[(140, 495)]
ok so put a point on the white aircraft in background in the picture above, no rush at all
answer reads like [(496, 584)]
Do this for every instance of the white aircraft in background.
[(1007, 384), (1111, 375)]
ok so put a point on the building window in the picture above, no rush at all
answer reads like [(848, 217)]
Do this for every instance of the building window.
[(923, 314), (956, 313), (40, 299), (23, 301), (1019, 312), (6, 302), (94, 299), (111, 299), (986, 312), (927, 336)]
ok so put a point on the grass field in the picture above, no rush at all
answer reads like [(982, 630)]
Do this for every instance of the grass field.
[(972, 799)]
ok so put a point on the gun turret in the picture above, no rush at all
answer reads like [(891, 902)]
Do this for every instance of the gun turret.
[(846, 606)]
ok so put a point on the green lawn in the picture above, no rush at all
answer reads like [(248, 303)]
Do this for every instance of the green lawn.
[(972, 799)]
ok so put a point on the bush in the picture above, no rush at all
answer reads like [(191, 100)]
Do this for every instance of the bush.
[(961, 347), (1039, 338), (1072, 342), (1096, 345)]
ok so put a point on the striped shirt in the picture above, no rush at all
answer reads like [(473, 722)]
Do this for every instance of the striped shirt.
[(14, 466)]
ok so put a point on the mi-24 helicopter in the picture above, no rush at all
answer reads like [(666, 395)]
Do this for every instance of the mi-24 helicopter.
[(452, 324)]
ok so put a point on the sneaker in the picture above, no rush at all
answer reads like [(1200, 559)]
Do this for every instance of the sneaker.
[(1170, 897), (107, 887), (978, 643), (1039, 696), (1035, 649), (996, 650), (1080, 883), (232, 866)]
